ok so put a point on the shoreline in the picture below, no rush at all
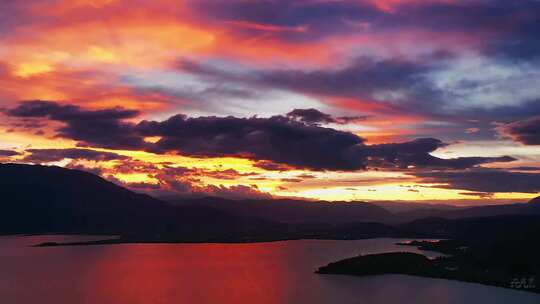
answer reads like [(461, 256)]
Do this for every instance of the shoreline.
[(456, 264), (119, 241)]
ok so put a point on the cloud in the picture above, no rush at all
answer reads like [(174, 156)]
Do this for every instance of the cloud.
[(59, 112), (525, 131), (416, 154), (314, 116), (54, 155), (439, 86), (483, 180), (472, 130), (8, 153), (235, 192), (306, 176), (315, 20), (279, 139), (99, 128), (291, 180), (165, 179), (179, 171), (94, 170), (228, 174), (182, 181), (143, 186), (276, 139), (310, 116), (271, 166), (485, 195), (129, 166), (364, 77)]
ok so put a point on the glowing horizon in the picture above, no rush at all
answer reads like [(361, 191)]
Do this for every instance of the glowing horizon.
[(332, 100)]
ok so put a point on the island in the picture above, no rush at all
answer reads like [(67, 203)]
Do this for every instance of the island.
[(484, 263)]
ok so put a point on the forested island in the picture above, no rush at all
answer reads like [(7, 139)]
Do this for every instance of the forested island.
[(497, 263)]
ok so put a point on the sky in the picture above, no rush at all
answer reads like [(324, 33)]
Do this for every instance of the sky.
[(435, 100)]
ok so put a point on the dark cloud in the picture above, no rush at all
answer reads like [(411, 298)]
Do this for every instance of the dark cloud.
[(59, 112), (8, 153), (364, 77), (526, 131), (343, 120), (282, 140), (306, 176), (397, 87), (485, 195), (319, 18), (277, 139), (507, 28), (291, 180), (102, 128), (393, 86), (143, 186), (503, 33), (54, 155), (518, 34), (400, 86), (483, 180), (416, 154), (525, 168), (314, 116), (271, 166), (129, 166), (310, 116), (360, 77)]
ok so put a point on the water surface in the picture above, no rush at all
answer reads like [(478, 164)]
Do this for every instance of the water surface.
[(277, 272)]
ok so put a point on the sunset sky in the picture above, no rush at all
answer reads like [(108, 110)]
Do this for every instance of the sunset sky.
[(321, 99)]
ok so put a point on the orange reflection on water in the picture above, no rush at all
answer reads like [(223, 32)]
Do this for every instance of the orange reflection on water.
[(209, 273)]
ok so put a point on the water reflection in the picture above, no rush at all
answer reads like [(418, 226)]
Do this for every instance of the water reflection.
[(279, 272)]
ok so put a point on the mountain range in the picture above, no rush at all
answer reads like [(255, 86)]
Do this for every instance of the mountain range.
[(48, 199)]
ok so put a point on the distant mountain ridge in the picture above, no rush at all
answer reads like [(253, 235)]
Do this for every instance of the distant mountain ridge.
[(296, 211), (43, 199), (39, 199), (303, 212), (530, 208), (535, 200), (399, 207)]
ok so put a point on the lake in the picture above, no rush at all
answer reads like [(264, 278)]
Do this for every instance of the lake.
[(275, 272)]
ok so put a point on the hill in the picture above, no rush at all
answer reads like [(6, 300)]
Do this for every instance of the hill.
[(296, 211), (42, 199), (530, 208)]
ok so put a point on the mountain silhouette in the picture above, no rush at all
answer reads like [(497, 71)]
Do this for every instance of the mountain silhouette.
[(296, 211), (535, 200), (530, 208), (43, 199), (48, 199)]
